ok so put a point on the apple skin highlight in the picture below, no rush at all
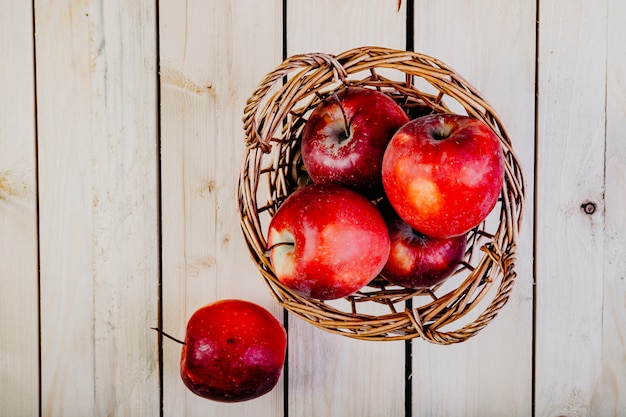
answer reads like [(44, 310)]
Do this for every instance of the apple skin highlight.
[(234, 351), (345, 137), (443, 173), (340, 241)]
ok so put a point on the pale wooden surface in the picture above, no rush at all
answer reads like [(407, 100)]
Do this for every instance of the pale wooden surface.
[(19, 338), (571, 273), (120, 142), (210, 61), (492, 372), (608, 392), (372, 372), (98, 233)]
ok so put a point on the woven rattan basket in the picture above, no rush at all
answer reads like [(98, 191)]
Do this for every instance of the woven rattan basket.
[(272, 169)]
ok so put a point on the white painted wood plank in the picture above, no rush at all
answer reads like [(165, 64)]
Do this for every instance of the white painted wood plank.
[(63, 120), (570, 260), (331, 375), (213, 54), (19, 336), (124, 155), (333, 27), (608, 397), (97, 113), (492, 45)]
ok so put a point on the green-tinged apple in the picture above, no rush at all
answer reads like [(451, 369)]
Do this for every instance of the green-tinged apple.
[(416, 260), (344, 139), (326, 241), (234, 351), (443, 173)]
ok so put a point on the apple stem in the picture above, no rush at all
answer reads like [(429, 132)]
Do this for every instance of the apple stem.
[(275, 245), (346, 124), (168, 336)]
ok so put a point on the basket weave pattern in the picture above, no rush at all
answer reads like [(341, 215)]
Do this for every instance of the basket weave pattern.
[(272, 169)]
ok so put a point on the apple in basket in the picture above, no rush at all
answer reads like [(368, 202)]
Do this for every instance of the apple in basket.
[(416, 260), (234, 351), (344, 138), (443, 173), (326, 241)]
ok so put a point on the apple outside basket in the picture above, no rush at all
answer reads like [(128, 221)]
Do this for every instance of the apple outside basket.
[(272, 169)]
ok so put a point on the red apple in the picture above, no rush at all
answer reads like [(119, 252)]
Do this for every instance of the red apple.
[(345, 137), (443, 173), (234, 351), (327, 241), (416, 260)]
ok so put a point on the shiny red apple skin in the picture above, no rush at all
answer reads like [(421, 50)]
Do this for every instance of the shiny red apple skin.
[(234, 351), (443, 173), (344, 139), (416, 260), (327, 241)]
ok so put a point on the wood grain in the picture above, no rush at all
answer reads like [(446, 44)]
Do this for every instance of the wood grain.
[(80, 253), (96, 103), (331, 375), (489, 374), (571, 153), (125, 243), (608, 397), (66, 229), (213, 54), (19, 336)]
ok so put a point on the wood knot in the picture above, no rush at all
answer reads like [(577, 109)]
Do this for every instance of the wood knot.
[(588, 207)]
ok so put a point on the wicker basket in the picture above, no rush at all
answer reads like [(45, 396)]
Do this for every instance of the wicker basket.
[(272, 169)]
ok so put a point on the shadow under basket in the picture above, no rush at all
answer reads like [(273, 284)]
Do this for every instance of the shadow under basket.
[(272, 169)]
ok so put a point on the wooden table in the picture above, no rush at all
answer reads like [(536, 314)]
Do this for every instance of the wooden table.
[(120, 144)]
